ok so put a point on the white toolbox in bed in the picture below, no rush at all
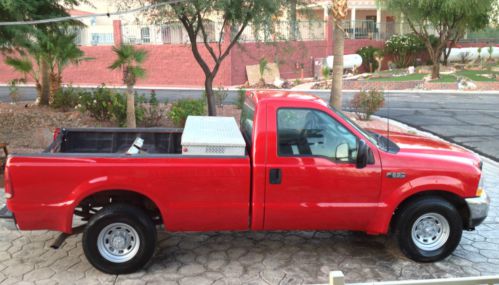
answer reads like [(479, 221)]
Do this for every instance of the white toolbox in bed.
[(212, 136)]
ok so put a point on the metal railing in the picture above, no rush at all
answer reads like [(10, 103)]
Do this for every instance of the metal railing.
[(285, 31), (171, 33), (174, 33), (95, 35), (368, 29), (337, 278)]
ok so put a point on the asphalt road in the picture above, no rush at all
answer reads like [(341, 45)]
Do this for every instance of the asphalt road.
[(470, 119)]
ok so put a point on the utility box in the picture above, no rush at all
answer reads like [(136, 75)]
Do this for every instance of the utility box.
[(212, 136)]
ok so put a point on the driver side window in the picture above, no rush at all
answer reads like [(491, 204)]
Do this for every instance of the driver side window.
[(308, 132)]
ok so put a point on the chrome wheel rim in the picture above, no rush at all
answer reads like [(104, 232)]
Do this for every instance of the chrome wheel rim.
[(430, 231), (118, 242)]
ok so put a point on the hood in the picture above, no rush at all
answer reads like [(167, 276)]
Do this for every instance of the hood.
[(420, 144)]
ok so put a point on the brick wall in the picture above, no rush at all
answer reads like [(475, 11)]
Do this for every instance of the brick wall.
[(166, 65), (174, 65)]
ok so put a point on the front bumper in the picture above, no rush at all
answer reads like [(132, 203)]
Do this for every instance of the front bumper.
[(479, 208), (7, 215)]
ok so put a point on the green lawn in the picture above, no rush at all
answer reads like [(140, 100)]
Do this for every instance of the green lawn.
[(446, 78), (475, 75), (409, 77)]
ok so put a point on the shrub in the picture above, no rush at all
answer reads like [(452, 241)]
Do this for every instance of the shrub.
[(404, 48), (67, 98), (241, 97), (326, 72), (368, 55), (220, 95), (185, 107), (105, 104), (153, 111), (366, 103), (97, 103), (14, 92)]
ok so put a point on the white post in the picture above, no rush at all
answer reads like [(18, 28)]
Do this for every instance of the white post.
[(353, 24), (401, 24), (378, 23), (336, 278)]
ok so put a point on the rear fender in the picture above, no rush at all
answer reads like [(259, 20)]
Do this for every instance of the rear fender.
[(96, 185)]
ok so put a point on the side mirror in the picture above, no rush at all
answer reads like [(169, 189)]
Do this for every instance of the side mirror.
[(342, 152), (362, 154)]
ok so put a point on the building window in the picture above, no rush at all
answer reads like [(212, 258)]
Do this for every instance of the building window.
[(145, 35), (172, 34), (102, 39)]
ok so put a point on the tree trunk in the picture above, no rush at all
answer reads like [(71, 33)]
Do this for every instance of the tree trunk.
[(45, 88), (130, 108), (435, 71), (55, 83), (293, 24), (210, 96), (338, 49)]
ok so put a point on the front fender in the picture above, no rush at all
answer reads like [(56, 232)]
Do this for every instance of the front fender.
[(390, 200)]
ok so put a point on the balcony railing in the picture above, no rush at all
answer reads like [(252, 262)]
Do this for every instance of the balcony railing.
[(174, 33), (285, 31), (367, 29), (171, 33)]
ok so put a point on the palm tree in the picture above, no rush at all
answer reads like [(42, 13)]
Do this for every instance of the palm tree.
[(44, 57), (129, 60), (65, 53), (339, 14)]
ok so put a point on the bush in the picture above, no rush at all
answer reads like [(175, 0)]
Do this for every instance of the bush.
[(105, 104), (67, 98), (241, 97), (220, 95), (366, 103), (14, 92), (153, 111), (404, 48), (368, 55), (185, 107)]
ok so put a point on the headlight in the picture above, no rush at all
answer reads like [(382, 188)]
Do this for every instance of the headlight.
[(480, 190)]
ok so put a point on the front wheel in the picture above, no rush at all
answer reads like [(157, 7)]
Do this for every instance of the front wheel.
[(428, 229), (119, 239)]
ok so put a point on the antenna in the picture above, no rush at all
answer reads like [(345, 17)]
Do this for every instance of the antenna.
[(388, 122)]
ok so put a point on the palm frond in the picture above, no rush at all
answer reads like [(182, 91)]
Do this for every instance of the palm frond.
[(23, 65)]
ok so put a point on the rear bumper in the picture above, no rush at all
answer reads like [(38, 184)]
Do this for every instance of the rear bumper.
[(9, 220), (479, 209)]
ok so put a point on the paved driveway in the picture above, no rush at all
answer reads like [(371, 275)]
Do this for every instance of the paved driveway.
[(471, 120), (253, 258)]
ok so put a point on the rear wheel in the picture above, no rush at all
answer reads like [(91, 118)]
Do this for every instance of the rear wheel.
[(119, 239), (428, 229)]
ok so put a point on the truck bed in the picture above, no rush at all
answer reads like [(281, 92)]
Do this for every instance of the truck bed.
[(117, 140)]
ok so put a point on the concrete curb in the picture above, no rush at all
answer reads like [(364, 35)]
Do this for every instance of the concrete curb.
[(231, 88)]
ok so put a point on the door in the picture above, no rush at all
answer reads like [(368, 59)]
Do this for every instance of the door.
[(313, 182)]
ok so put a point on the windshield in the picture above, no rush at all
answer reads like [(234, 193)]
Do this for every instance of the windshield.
[(369, 135)]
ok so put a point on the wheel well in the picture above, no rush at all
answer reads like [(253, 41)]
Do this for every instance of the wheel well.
[(92, 204), (452, 198)]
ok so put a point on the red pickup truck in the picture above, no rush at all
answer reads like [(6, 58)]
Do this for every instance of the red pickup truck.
[(306, 167)]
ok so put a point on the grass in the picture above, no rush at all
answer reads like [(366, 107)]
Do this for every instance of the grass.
[(475, 75), (446, 78), (409, 77)]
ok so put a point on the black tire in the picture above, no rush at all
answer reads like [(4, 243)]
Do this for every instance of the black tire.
[(124, 219), (426, 209)]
